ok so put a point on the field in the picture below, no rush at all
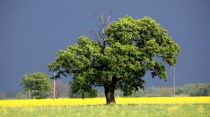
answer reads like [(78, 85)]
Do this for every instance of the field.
[(127, 107)]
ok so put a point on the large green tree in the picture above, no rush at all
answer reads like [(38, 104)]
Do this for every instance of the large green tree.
[(38, 84), (119, 58)]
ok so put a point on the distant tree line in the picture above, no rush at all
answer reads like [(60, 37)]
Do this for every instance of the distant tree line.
[(199, 89)]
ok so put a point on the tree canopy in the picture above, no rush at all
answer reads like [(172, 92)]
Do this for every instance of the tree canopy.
[(119, 58), (38, 84)]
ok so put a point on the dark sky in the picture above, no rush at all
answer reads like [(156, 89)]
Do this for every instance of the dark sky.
[(32, 32)]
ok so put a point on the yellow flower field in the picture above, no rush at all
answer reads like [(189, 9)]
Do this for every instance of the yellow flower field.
[(102, 101), (95, 107)]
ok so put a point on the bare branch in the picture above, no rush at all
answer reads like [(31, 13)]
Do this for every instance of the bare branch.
[(94, 16), (108, 19), (101, 34), (97, 36)]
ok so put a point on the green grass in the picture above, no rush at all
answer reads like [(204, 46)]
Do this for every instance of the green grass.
[(174, 110)]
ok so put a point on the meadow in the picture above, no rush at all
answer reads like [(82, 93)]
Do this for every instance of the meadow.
[(95, 107)]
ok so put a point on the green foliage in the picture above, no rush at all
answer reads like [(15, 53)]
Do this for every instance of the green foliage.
[(165, 92), (20, 96), (147, 92), (38, 84), (201, 89), (131, 48)]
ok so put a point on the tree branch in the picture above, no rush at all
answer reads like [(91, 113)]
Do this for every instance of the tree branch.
[(107, 21), (101, 34), (94, 16), (97, 36)]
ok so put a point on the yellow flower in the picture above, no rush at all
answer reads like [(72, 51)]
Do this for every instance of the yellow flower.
[(4, 111), (78, 114), (122, 112), (104, 112), (102, 101), (173, 108), (201, 109)]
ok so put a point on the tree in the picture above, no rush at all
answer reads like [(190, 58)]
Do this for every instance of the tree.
[(3, 95), (165, 92), (179, 91), (38, 84), (200, 89), (20, 96), (119, 58), (61, 89)]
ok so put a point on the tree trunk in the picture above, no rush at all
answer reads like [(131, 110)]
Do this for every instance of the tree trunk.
[(109, 93)]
